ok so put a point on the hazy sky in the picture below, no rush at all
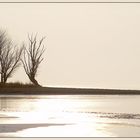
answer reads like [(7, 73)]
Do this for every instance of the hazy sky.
[(87, 45)]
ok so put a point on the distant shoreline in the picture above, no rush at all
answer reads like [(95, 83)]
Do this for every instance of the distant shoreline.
[(63, 91)]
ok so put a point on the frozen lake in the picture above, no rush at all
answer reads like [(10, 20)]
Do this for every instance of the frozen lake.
[(70, 116)]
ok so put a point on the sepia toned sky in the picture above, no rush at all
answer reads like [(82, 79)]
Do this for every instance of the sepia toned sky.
[(87, 45)]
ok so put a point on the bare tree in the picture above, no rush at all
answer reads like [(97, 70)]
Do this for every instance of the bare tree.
[(32, 57), (9, 57)]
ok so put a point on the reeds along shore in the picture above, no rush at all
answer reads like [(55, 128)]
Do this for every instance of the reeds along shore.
[(30, 89)]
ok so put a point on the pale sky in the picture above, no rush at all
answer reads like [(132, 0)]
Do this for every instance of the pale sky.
[(87, 45)]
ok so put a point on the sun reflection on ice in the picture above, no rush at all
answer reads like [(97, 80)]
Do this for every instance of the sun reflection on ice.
[(58, 118), (77, 130), (63, 124)]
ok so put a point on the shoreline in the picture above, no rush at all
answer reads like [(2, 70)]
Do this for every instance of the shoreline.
[(63, 91)]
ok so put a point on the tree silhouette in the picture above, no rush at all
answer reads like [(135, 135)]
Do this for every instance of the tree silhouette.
[(32, 57), (9, 57)]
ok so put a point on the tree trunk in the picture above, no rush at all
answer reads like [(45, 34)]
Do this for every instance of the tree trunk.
[(5, 80), (34, 81), (1, 78)]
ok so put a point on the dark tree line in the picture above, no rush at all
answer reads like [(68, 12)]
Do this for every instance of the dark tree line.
[(12, 55)]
